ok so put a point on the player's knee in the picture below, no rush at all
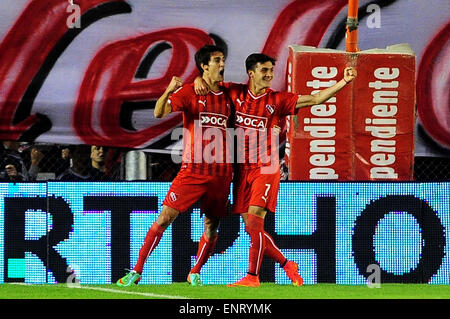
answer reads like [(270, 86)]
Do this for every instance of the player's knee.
[(211, 233), (258, 211), (164, 221), (167, 216), (211, 223), (211, 226), (244, 218)]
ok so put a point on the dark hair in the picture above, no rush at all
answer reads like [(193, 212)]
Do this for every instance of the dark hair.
[(203, 55), (255, 58)]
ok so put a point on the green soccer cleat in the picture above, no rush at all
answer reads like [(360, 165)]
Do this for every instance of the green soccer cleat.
[(131, 278), (194, 279)]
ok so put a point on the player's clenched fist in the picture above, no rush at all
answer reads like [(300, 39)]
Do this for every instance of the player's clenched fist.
[(175, 84), (349, 74)]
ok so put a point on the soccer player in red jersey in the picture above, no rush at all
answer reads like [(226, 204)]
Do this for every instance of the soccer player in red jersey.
[(259, 110), (205, 173)]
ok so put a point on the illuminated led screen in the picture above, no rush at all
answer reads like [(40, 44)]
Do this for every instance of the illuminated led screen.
[(335, 231)]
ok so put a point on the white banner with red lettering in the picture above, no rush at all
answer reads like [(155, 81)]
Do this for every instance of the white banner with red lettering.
[(95, 79)]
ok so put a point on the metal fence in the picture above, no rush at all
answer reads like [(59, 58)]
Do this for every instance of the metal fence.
[(427, 169), (29, 162)]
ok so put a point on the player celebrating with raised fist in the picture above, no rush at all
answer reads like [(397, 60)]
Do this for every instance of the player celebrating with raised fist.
[(258, 179), (259, 110), (203, 176)]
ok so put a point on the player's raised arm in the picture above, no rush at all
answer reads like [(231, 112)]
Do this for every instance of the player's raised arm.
[(323, 95), (163, 107)]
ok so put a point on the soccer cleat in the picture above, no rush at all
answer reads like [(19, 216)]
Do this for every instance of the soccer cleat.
[(291, 269), (131, 278), (247, 281), (194, 279)]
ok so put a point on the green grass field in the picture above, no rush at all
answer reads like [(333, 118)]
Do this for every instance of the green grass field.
[(265, 291)]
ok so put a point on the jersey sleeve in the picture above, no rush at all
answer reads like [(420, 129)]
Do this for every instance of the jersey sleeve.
[(226, 85), (232, 87), (180, 99), (289, 103), (233, 90)]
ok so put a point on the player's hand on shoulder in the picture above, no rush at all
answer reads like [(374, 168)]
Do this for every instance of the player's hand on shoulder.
[(200, 86)]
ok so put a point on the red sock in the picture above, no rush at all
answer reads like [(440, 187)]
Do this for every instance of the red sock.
[(152, 239), (255, 228), (272, 251), (205, 249)]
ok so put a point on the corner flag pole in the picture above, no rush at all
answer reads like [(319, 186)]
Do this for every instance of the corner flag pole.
[(351, 41)]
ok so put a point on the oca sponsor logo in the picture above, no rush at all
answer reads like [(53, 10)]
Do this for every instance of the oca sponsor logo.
[(250, 121), (208, 119)]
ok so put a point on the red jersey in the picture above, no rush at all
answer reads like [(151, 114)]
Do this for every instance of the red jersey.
[(205, 122), (255, 118)]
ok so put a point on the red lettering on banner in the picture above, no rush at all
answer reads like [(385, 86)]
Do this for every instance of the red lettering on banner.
[(311, 32), (296, 10), (433, 101), (23, 52), (109, 81)]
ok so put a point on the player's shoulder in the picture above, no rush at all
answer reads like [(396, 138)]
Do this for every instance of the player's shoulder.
[(283, 94), (182, 97), (232, 86), (273, 91), (186, 89)]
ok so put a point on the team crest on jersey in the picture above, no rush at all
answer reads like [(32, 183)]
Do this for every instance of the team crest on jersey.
[(251, 121), (208, 119), (173, 197), (270, 108)]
